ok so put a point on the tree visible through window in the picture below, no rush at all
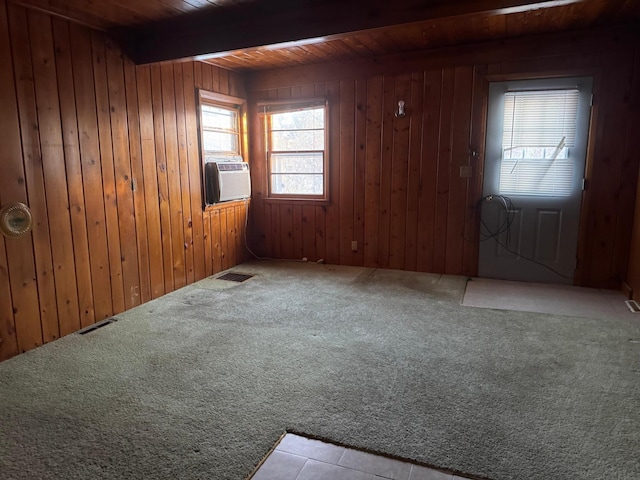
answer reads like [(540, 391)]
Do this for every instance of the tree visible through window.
[(296, 151)]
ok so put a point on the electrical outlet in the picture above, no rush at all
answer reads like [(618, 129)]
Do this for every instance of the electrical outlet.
[(354, 246), (465, 171)]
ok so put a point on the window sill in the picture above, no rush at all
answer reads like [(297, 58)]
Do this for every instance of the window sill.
[(298, 201), (230, 203)]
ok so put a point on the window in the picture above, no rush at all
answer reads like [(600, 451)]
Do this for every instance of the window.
[(220, 130), (539, 129), (296, 155), (221, 136)]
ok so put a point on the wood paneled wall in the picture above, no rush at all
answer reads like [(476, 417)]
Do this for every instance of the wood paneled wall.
[(395, 183), (106, 155)]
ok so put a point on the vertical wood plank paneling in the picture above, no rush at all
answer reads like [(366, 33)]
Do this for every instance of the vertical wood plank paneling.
[(214, 80), (461, 124), (207, 77), (297, 248), (235, 83), (215, 251), (151, 194), (309, 233), (399, 175), (20, 328), (257, 217), (91, 170), (413, 171), (173, 174), (19, 252), (163, 183), (184, 173), (108, 179), (286, 231), (32, 158), (56, 186), (230, 234), (320, 240), (628, 173), (74, 176), (633, 271), (612, 118), (195, 169), (384, 218), (241, 216), (122, 171), (429, 171), (443, 172), (347, 166), (8, 340), (137, 179), (197, 74), (359, 169), (373, 150), (276, 229), (220, 228), (107, 156), (223, 76)]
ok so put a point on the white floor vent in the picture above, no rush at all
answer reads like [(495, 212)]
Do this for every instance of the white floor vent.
[(633, 306)]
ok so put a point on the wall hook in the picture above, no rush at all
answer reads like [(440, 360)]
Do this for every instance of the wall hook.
[(400, 113)]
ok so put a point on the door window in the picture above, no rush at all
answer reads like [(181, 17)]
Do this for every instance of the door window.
[(539, 128)]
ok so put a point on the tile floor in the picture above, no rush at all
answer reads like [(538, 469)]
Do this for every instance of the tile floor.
[(546, 298), (301, 458)]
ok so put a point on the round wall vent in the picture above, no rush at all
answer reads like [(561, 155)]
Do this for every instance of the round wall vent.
[(15, 220)]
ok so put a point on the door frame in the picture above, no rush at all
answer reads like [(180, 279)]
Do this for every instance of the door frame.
[(480, 138)]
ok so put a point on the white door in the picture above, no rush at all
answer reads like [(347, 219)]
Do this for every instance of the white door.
[(533, 179)]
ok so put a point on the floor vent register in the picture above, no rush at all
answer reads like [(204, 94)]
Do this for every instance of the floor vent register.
[(235, 277)]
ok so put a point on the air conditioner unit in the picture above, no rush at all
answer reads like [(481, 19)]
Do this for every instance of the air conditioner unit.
[(226, 181)]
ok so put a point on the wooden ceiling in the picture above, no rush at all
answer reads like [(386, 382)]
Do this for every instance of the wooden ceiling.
[(261, 34), (436, 33)]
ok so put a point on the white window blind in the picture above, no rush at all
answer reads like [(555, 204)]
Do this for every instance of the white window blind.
[(539, 131)]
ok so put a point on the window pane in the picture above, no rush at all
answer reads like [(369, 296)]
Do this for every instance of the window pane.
[(540, 118), (291, 184), (312, 118), (297, 162), (220, 142), (539, 129), (538, 177), (215, 117), (297, 140)]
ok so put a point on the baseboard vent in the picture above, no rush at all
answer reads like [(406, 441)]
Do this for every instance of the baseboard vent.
[(96, 326), (633, 306), (235, 277)]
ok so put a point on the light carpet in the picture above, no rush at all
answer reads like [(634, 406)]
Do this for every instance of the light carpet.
[(201, 383)]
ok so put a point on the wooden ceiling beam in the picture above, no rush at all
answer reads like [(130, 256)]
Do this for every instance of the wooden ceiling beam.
[(251, 25)]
